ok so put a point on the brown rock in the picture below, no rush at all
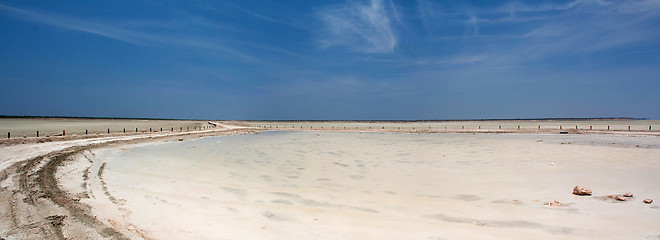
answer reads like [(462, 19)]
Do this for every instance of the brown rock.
[(628, 195), (581, 191), (648, 201)]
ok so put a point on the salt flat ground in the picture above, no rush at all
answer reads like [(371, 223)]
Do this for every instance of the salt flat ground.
[(352, 185), (614, 125), (19, 127)]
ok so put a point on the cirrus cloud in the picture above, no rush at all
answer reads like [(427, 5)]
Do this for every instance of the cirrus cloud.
[(360, 27)]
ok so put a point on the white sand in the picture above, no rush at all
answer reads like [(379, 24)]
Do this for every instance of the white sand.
[(32, 208), (326, 185)]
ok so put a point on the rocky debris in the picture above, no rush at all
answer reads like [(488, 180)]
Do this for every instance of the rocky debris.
[(180, 139), (618, 198), (56, 220), (648, 201), (581, 191), (553, 204), (628, 195)]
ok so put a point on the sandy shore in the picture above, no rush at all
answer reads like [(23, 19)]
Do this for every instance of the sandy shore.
[(33, 203), (58, 190)]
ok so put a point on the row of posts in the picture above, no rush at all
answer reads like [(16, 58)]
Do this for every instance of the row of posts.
[(124, 130), (311, 127), (399, 128)]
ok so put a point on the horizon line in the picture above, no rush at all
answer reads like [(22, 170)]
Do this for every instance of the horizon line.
[(338, 120)]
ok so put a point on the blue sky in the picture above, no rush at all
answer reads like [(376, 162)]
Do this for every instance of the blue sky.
[(376, 59)]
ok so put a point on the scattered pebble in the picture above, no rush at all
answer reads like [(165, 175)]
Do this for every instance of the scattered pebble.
[(479, 223), (617, 197), (553, 204), (628, 195), (648, 201)]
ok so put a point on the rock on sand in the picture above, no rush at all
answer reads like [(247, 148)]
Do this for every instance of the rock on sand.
[(581, 191)]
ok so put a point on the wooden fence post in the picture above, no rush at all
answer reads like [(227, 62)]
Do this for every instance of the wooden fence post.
[(37, 133), (64, 132), (8, 134), (85, 131)]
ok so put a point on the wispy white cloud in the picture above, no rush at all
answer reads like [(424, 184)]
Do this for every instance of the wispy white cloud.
[(360, 27), (453, 61), (397, 16), (123, 32), (543, 7), (516, 32), (246, 9)]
